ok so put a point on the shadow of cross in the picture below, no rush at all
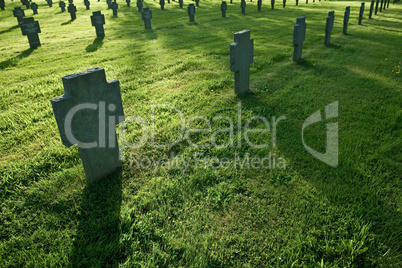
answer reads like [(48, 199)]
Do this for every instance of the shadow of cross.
[(31, 28), (299, 35), (241, 56), (86, 115)]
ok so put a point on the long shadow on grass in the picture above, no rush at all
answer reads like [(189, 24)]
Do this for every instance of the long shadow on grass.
[(98, 42), (96, 243), (10, 29), (14, 60)]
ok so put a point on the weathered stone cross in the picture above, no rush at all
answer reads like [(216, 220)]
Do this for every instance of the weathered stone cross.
[(241, 56), (299, 35), (31, 28), (98, 20), (328, 27), (86, 115)]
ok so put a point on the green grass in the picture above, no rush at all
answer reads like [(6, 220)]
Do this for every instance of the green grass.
[(306, 215)]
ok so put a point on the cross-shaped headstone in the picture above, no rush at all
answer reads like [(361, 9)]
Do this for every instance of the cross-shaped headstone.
[(284, 3), (191, 11), (243, 6), (259, 4), (146, 15), (34, 8), (297, 2), (346, 20), (376, 7), (72, 10), (62, 5), (109, 3), (97, 20), (2, 4), (115, 6), (197, 3), (139, 5), (299, 35), (162, 3), (128, 2), (241, 56), (31, 28), (361, 13), (181, 3), (224, 6), (328, 27), (86, 115), (87, 4), (18, 13), (50, 3), (371, 9), (272, 4)]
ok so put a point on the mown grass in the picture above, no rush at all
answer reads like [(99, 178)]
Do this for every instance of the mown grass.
[(308, 214)]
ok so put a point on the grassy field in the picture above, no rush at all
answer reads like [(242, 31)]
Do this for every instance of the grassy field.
[(302, 213)]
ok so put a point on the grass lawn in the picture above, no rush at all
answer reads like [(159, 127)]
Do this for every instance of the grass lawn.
[(298, 212)]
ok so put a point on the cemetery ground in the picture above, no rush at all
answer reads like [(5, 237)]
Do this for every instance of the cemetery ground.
[(301, 214)]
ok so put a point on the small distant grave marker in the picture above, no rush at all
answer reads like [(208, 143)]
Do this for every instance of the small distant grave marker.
[(382, 3), (361, 13), (50, 3), (299, 35), (128, 3), (18, 13), (86, 115), (284, 3), (376, 7), (72, 10), (115, 7), (146, 15), (34, 8), (87, 4), (224, 7), (62, 5), (98, 20), (191, 12), (139, 5), (241, 56), (181, 3), (162, 3), (297, 2), (26, 3), (371, 9), (346, 20), (197, 3), (2, 4), (243, 6), (328, 27), (30, 28), (109, 4), (259, 4), (272, 4)]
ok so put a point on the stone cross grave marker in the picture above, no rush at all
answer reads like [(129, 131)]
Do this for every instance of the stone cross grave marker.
[(306, 1), (272, 4), (18, 13), (299, 35), (191, 12), (62, 5), (109, 3), (86, 115), (259, 4), (72, 10), (2, 4), (87, 4), (98, 20), (162, 3), (284, 3), (115, 6), (128, 3), (361, 13), (50, 3), (197, 3), (371, 9), (241, 56), (328, 27), (146, 15), (376, 7), (382, 3), (34, 8), (243, 6), (139, 5), (31, 28), (181, 3), (224, 6), (346, 20), (297, 2)]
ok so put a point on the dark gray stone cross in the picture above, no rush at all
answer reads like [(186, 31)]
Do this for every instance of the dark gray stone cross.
[(50, 3), (376, 7), (86, 115), (146, 15), (191, 12), (72, 10), (346, 20), (128, 2), (241, 56), (259, 4), (361, 14), (162, 3), (34, 8), (2, 4), (299, 35), (181, 3), (139, 5), (31, 28), (371, 9), (62, 5), (224, 6), (18, 13), (115, 7), (97, 20), (272, 4), (243, 6), (328, 27), (87, 4)]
